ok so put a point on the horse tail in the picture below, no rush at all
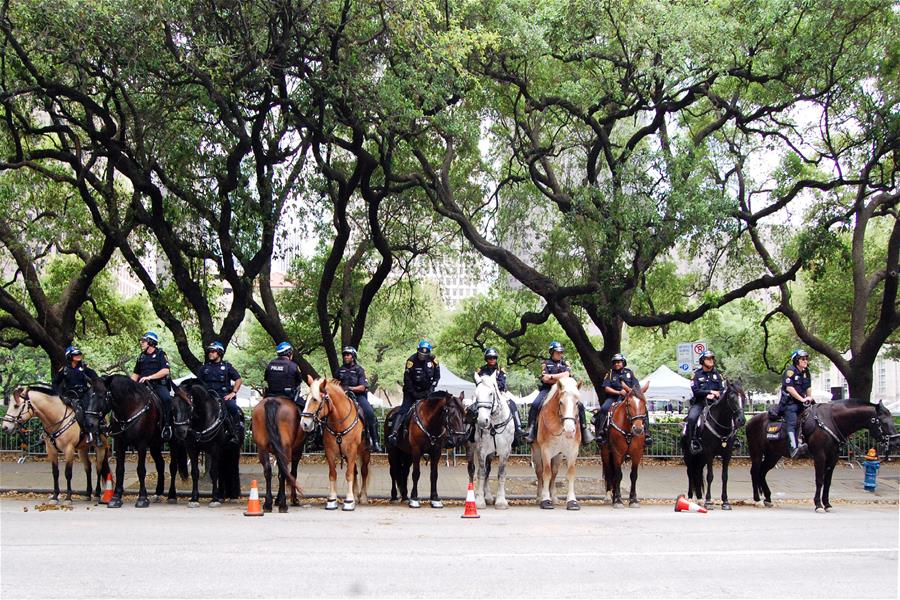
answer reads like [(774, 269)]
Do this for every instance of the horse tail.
[(274, 433)]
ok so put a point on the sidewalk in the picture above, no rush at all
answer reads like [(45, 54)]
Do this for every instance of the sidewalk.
[(655, 481)]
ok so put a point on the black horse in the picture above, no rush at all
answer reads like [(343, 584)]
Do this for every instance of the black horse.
[(721, 421), (825, 427), (134, 421), (199, 424)]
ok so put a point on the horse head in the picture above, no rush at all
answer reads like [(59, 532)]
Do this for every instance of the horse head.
[(733, 399), (183, 409), (454, 420), (636, 408), (486, 399), (20, 410), (568, 404), (97, 404), (882, 426), (316, 406)]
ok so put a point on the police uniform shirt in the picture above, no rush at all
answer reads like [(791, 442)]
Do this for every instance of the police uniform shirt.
[(352, 376), (148, 364), (421, 375), (282, 376), (705, 382), (74, 379), (799, 380), (553, 367), (487, 370), (615, 379), (218, 377)]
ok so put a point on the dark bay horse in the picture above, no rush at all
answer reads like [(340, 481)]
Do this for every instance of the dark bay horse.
[(825, 427), (625, 438), (435, 423), (723, 418), (275, 422), (134, 421)]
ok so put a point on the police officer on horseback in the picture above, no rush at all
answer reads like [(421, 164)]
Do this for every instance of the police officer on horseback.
[(420, 379), (617, 379), (707, 386), (354, 382), (796, 394), (72, 383), (152, 369), (553, 369), (282, 375), (489, 368), (223, 381)]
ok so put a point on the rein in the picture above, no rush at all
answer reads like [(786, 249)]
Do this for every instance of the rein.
[(127, 423), (631, 418), (338, 435), (495, 428), (207, 434)]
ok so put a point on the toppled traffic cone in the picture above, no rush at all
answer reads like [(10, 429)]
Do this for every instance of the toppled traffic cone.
[(471, 509), (682, 504), (108, 490), (253, 507)]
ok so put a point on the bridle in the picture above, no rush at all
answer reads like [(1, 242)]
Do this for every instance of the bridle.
[(629, 435), (123, 425), (446, 428), (561, 417), (322, 418), (209, 432), (18, 421), (723, 432), (496, 408), (60, 426)]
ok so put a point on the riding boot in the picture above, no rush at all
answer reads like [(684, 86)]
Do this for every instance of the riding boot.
[(79, 418), (230, 430), (166, 433), (587, 436), (796, 449), (374, 446), (648, 439), (695, 446), (392, 438), (519, 435), (532, 425)]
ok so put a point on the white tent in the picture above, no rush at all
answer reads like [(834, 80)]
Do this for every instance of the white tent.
[(454, 384), (666, 384)]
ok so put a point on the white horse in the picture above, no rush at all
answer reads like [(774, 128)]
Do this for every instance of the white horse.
[(558, 438), (494, 433)]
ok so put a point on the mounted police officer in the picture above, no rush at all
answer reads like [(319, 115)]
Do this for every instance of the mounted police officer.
[(223, 381), (420, 378), (152, 369), (617, 379), (72, 383), (282, 375), (353, 379), (490, 368), (796, 393), (707, 386), (553, 369)]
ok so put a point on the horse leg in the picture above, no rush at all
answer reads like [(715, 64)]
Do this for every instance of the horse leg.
[(470, 462), (571, 501), (194, 502), (726, 459), (172, 497), (830, 462), (755, 467), (331, 502), (142, 501), (70, 457), (820, 480), (364, 477), (633, 501), (281, 498), (295, 462), (84, 457), (709, 479), (481, 485), (116, 500), (414, 497), (768, 464), (546, 479), (215, 474), (488, 466), (350, 476), (500, 502), (160, 462), (538, 472), (54, 468), (267, 474), (435, 498)]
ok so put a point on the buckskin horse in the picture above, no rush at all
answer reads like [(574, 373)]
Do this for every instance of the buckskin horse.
[(720, 422), (134, 421), (62, 435), (825, 427), (343, 437), (275, 422), (625, 438), (494, 432), (558, 438), (435, 422)]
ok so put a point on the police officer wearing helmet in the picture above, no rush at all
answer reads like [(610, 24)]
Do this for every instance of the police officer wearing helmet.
[(490, 368), (282, 375), (353, 380), (72, 383), (420, 378), (707, 386), (152, 369), (617, 379), (223, 380), (553, 369), (796, 392)]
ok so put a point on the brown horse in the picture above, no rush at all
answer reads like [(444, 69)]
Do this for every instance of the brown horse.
[(62, 435), (275, 422), (435, 423), (825, 427), (328, 404), (558, 438), (626, 438)]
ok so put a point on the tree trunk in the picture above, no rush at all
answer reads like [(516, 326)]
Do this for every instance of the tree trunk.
[(859, 381)]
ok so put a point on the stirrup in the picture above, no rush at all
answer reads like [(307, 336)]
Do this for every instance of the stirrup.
[(166, 433), (799, 450), (696, 447)]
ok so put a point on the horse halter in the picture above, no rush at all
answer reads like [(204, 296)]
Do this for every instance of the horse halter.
[(18, 421), (495, 408)]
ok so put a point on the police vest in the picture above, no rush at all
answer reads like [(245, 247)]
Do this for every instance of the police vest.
[(351, 376), (553, 367), (799, 380), (216, 377), (148, 364), (282, 376)]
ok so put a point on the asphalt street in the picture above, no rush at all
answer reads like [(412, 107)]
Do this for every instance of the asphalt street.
[(393, 551)]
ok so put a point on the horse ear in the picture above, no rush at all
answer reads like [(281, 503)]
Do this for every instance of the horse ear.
[(309, 380), (645, 387), (323, 385), (578, 385)]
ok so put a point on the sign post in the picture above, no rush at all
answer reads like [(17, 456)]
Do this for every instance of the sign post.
[(683, 353)]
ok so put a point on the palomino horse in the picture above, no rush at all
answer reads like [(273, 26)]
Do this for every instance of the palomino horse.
[(625, 438), (558, 437), (343, 436), (276, 428), (494, 432), (825, 427), (721, 423), (62, 435), (434, 423), (134, 420)]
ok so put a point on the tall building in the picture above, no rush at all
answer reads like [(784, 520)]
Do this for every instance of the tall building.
[(885, 381), (460, 276)]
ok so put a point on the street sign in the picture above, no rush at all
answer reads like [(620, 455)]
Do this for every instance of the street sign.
[(683, 354), (697, 348)]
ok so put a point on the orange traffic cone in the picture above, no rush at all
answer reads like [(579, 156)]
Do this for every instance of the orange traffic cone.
[(108, 491), (471, 509), (253, 507), (682, 504)]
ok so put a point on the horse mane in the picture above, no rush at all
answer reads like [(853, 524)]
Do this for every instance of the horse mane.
[(43, 388)]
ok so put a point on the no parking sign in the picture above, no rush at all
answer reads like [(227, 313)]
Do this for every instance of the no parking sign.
[(697, 348)]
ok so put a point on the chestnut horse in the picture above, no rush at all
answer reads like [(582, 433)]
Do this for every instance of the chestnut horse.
[(62, 435), (275, 422), (434, 423), (625, 438), (343, 436), (558, 438)]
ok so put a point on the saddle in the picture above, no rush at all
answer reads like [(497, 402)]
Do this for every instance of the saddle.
[(777, 426)]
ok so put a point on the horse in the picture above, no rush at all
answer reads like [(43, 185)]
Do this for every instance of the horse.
[(343, 436), (825, 427), (198, 424), (62, 435), (275, 422), (625, 438), (558, 437), (134, 419), (494, 433), (722, 419), (435, 422)]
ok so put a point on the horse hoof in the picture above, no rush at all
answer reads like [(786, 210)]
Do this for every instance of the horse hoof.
[(394, 501), (828, 509), (215, 504), (501, 505), (634, 504), (348, 506), (572, 505), (414, 504), (820, 509), (547, 504), (114, 503), (767, 504), (726, 506), (295, 503), (193, 504), (489, 500), (618, 505), (437, 504), (709, 506), (267, 508), (157, 499), (142, 503), (53, 501), (172, 501), (282, 509), (480, 503), (331, 504), (67, 501)]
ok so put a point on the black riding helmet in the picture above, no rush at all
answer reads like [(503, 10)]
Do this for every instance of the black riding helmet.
[(491, 353), (618, 357)]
